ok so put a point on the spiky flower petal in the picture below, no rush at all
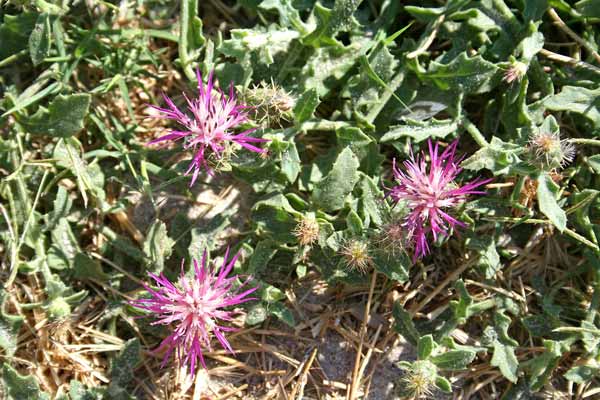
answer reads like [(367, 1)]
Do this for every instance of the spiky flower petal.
[(207, 126), (429, 191), (195, 309), (515, 72)]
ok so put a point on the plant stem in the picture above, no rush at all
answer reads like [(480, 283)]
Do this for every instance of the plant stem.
[(475, 133), (590, 142), (10, 59), (391, 88), (323, 125), (184, 20), (569, 60), (13, 261)]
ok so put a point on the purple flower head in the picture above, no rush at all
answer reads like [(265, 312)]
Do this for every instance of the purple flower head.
[(207, 125), (429, 194), (195, 309)]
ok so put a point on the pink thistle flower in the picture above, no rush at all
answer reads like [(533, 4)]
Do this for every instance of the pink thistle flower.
[(195, 307), (429, 194), (208, 125)]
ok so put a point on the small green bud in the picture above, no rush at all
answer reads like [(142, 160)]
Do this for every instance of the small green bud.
[(59, 308), (515, 72)]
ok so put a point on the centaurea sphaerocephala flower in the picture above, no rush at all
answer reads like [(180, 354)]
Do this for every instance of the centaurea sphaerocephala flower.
[(207, 125), (195, 309), (429, 191)]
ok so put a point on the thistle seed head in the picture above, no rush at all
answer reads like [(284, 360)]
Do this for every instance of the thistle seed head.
[(419, 379), (549, 151), (356, 255), (307, 231), (270, 104)]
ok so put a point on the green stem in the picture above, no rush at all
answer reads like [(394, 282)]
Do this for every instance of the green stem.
[(13, 261), (567, 231), (391, 88), (590, 142), (184, 22), (10, 59), (475, 133), (323, 125)]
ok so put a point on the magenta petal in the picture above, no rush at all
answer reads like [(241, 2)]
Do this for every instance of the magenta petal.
[(208, 124), (429, 191), (195, 309)]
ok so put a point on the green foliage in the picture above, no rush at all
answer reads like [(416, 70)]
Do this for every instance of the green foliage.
[(63, 118), (123, 368), (330, 193), (19, 387)]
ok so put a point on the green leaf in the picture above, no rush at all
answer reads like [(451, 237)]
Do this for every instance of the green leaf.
[(288, 16), (64, 246), (256, 314), (338, 60), (425, 347), (394, 266), (419, 130), (283, 313), (499, 157), (540, 368), (588, 8), (9, 328), (330, 193), (594, 162), (263, 253), (535, 9), (15, 31), (276, 216), (60, 208), (39, 40), (443, 384), (579, 100), (306, 105), (467, 74), (504, 347), (404, 325), (19, 387), (269, 293), (547, 192), (158, 246), (466, 307), (582, 374), (123, 368), (331, 21), (85, 267), (369, 205), (78, 391), (290, 162), (63, 118), (354, 223), (489, 259), (504, 358), (453, 360), (530, 46), (266, 45), (204, 237)]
